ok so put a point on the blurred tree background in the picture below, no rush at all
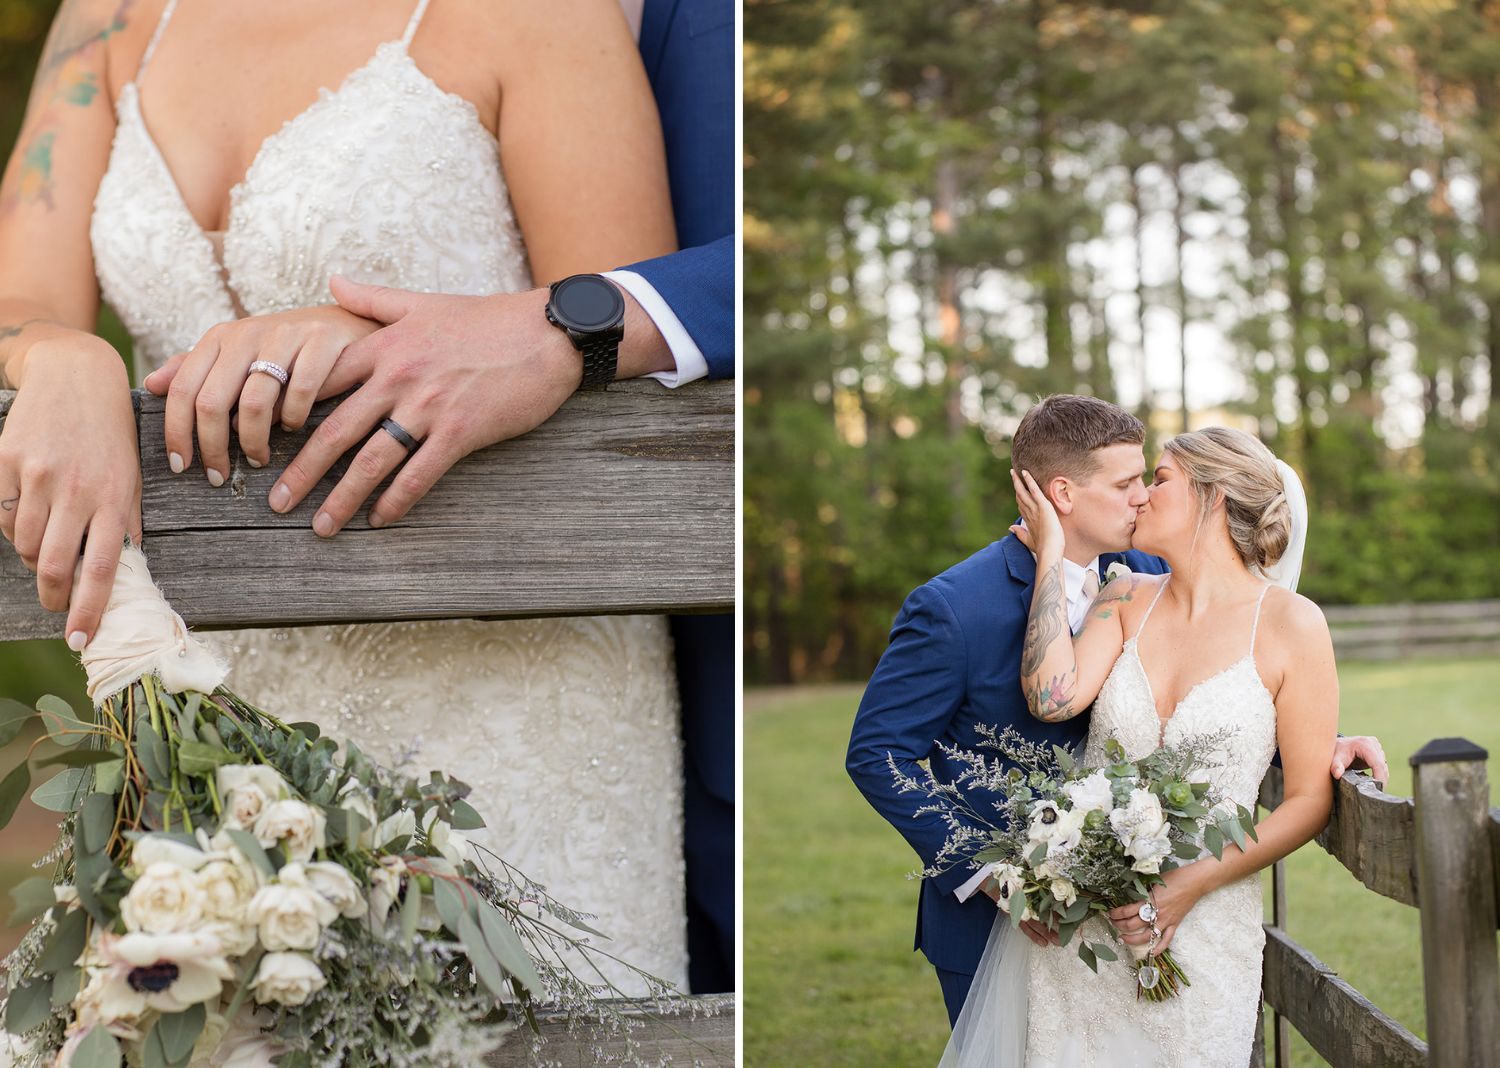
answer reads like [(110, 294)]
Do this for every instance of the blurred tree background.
[(954, 207), (30, 669)]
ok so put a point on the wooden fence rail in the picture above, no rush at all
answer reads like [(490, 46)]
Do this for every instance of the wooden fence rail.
[(621, 502), (1398, 631), (1438, 851)]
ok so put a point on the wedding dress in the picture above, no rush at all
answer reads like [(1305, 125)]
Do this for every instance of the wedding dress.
[(1078, 1019), (565, 728)]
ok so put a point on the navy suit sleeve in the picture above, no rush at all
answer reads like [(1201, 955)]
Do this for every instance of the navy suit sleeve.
[(910, 701), (698, 285)]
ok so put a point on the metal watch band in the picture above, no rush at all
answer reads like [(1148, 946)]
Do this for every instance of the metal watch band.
[(600, 360)]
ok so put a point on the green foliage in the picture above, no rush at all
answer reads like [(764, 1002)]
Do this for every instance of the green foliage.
[(922, 186)]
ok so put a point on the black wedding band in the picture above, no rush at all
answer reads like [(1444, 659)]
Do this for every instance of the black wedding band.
[(394, 429)]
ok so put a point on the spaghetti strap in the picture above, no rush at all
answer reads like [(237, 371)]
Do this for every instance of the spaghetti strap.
[(161, 25), (1152, 606), (416, 20), (1256, 624)]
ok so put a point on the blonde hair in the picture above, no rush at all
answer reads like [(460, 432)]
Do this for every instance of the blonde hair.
[(1227, 464)]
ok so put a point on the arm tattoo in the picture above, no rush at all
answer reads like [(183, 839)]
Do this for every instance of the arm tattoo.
[(9, 504), (1048, 619), (1052, 702)]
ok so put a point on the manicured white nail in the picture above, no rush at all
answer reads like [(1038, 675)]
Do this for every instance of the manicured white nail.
[(214, 478), (323, 525), (77, 640), (377, 520), (253, 462), (176, 462), (280, 498)]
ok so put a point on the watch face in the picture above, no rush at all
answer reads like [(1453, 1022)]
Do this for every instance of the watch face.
[(587, 303)]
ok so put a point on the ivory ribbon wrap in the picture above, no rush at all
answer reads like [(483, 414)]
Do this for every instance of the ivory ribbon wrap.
[(140, 635)]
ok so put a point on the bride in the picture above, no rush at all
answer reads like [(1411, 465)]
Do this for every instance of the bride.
[(1211, 647), (188, 159)]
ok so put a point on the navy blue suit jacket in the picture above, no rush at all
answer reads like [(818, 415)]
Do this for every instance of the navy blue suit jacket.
[(688, 49), (954, 663)]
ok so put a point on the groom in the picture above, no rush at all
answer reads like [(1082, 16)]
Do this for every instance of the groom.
[(954, 659)]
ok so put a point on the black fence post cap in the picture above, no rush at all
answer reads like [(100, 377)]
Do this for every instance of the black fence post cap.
[(1447, 751)]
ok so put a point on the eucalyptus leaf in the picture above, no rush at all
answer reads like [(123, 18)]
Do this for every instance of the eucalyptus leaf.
[(13, 716), (32, 897), (309, 729), (64, 944), (465, 817), (1185, 850), (29, 1005), (151, 751), (450, 903), (63, 725), (1103, 951), (1213, 839), (508, 948), (247, 968), (99, 1049), (96, 819), (202, 761), (481, 956), (12, 788), (574, 921), (1086, 955), (78, 758), (411, 910), (1065, 933), (336, 824), (1037, 854), (66, 985), (109, 777), (154, 1056), (1235, 831), (254, 852), (62, 792), (179, 1030)]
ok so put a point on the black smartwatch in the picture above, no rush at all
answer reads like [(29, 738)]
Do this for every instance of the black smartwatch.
[(591, 311)]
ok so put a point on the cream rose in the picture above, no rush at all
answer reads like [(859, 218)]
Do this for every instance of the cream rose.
[(338, 886), (385, 886), (296, 823), (290, 915), (442, 837), (165, 899), (287, 979), (1063, 891), (246, 791), (159, 849), (352, 798), (1090, 793)]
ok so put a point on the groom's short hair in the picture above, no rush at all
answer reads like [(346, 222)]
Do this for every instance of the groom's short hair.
[(1059, 435)]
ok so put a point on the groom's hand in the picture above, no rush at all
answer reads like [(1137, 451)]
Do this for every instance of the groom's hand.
[(1358, 753), (457, 373), (1035, 930)]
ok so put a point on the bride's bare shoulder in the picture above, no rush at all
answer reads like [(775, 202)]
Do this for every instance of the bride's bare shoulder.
[(1294, 625)]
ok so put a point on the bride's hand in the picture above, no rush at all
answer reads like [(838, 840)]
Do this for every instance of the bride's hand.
[(1173, 899), (1043, 532), (70, 470), (206, 384)]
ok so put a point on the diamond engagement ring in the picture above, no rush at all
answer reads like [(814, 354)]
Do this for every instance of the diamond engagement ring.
[(267, 367), (1147, 912)]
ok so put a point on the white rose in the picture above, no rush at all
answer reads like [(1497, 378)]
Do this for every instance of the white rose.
[(338, 886), (1141, 817), (385, 886), (1091, 793), (159, 849), (287, 979), (403, 823), (246, 791), (1149, 853), (352, 798), (1063, 891), (442, 837), (294, 822), (291, 914), (1010, 880), (166, 898), (1116, 570)]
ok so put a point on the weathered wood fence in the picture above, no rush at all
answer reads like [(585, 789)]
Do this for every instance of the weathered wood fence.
[(1398, 631), (623, 501), (1438, 851)]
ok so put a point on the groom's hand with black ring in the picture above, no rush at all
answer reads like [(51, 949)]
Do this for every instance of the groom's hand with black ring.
[(458, 373)]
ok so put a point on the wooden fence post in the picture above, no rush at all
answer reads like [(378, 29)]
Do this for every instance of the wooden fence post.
[(1456, 887)]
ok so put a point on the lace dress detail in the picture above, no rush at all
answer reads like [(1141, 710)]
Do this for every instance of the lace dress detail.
[(565, 728), (1077, 1019)]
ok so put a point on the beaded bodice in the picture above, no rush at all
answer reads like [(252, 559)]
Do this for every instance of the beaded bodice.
[(387, 180)]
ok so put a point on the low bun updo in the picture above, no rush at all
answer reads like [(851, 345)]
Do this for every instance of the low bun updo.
[(1223, 463)]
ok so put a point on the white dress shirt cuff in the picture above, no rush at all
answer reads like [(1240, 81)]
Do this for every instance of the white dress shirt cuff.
[(685, 352), (966, 891)]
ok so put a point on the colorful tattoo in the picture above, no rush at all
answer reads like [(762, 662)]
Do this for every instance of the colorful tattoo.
[(1052, 702), (1048, 619), (65, 78)]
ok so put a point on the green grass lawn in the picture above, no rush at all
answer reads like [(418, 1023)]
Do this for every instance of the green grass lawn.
[(830, 978)]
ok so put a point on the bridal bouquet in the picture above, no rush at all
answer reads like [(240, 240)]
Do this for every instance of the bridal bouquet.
[(228, 891), (1070, 841)]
